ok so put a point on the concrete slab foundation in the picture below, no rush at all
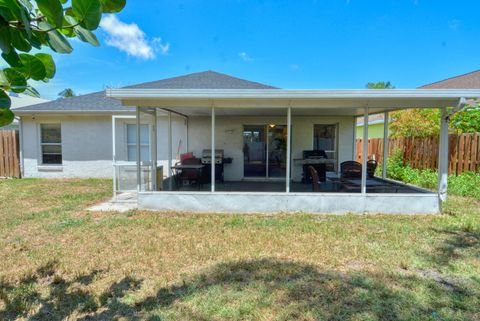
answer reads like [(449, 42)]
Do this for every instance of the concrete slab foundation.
[(315, 203)]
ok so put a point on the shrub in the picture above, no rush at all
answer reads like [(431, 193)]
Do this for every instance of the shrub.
[(466, 184)]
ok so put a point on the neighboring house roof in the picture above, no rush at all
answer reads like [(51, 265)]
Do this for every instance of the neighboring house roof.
[(22, 100), (470, 80), (372, 119), (97, 102)]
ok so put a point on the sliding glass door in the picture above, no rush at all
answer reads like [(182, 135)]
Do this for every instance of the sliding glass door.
[(254, 151), (277, 150), (265, 150)]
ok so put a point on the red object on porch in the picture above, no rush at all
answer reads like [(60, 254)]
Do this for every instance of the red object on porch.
[(186, 156)]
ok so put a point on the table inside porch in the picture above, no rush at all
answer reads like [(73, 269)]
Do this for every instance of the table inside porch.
[(354, 184)]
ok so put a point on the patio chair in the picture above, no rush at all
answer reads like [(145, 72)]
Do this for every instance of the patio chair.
[(351, 169), (371, 167), (315, 179)]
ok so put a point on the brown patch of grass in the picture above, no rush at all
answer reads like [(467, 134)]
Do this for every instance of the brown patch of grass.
[(142, 265)]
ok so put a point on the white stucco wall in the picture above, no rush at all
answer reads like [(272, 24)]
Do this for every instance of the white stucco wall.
[(87, 142), (229, 138), (86, 147)]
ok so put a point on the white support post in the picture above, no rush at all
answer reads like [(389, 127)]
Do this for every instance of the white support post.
[(443, 157), (139, 171), (212, 168), (169, 161), (265, 148), (154, 152), (385, 145), (365, 151), (289, 147), (354, 146), (186, 136), (113, 160)]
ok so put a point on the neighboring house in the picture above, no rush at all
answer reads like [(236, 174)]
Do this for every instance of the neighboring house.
[(270, 143), (469, 80), (375, 126), (21, 100)]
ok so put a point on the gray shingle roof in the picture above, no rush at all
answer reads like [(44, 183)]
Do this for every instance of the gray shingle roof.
[(470, 80), (97, 102)]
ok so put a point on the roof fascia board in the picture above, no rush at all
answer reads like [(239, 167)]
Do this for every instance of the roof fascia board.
[(289, 94), (70, 112)]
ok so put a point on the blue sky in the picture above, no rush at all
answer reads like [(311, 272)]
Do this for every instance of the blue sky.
[(289, 44)]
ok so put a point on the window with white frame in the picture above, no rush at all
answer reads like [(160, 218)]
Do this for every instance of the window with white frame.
[(51, 143), (132, 143)]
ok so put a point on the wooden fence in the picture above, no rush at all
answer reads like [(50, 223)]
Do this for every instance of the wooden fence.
[(464, 151), (9, 154)]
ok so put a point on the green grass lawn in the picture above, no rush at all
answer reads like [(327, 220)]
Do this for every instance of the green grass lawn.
[(59, 262)]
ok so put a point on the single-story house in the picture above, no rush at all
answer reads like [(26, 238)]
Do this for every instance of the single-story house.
[(274, 150)]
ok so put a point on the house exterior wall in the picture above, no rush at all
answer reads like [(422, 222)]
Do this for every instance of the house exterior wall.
[(374, 131), (87, 142), (87, 145), (229, 137)]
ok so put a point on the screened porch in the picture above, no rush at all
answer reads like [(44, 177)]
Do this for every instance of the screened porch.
[(304, 161)]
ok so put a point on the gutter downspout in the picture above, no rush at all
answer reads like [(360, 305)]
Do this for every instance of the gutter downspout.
[(461, 104)]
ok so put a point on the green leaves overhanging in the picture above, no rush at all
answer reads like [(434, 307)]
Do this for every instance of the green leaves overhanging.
[(113, 6), (47, 60), (28, 24), (6, 116), (53, 11), (87, 12), (32, 67)]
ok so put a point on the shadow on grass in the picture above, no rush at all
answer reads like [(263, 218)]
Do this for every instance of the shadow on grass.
[(266, 288), (459, 244)]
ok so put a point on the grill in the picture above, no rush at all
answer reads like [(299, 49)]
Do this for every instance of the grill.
[(207, 156), (207, 161), (316, 159)]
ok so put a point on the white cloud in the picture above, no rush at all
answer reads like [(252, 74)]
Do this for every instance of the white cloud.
[(244, 56), (131, 39), (163, 48)]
